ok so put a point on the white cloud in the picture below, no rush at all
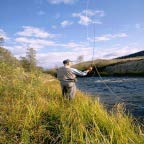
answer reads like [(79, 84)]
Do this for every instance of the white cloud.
[(120, 51), (62, 1), (87, 17), (72, 50), (52, 59), (66, 23), (35, 43), (3, 34), (84, 20), (17, 50), (30, 31), (89, 12), (108, 37)]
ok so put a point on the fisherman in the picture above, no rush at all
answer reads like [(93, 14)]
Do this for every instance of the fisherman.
[(67, 78)]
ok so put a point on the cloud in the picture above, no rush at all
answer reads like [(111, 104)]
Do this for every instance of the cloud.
[(87, 17), (74, 49), (42, 43), (34, 42), (29, 31), (62, 1), (66, 23), (71, 50), (59, 51), (52, 59), (3, 34), (108, 37), (17, 50), (120, 51)]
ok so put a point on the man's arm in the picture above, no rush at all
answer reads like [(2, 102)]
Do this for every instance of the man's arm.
[(78, 72)]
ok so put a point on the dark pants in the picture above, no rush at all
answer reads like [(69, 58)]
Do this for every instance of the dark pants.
[(68, 90)]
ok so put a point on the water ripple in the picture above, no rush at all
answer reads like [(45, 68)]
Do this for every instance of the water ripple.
[(130, 90)]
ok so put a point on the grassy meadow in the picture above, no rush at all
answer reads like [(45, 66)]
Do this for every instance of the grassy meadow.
[(32, 111)]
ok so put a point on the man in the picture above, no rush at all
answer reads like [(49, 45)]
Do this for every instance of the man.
[(67, 78)]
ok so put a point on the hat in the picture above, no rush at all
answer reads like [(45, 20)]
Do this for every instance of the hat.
[(66, 61)]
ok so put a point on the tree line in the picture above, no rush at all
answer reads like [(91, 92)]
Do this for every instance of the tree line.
[(28, 62)]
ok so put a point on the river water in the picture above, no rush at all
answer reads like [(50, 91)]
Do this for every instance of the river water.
[(112, 90)]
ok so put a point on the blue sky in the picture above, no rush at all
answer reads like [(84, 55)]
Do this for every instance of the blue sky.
[(60, 29)]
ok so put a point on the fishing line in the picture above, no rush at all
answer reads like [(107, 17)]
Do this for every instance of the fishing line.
[(102, 80), (93, 50), (93, 53)]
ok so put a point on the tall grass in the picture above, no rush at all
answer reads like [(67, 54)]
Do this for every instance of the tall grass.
[(32, 111)]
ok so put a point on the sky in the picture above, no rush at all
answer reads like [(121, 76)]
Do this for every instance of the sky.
[(61, 29)]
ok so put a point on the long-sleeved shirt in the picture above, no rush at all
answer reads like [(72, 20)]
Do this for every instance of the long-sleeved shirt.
[(67, 74), (78, 72)]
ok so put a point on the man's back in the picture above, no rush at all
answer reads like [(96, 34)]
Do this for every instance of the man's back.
[(64, 74)]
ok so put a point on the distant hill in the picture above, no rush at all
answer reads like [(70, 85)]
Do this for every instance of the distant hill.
[(138, 54), (132, 64)]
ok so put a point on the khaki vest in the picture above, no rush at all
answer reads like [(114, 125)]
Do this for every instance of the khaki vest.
[(65, 74)]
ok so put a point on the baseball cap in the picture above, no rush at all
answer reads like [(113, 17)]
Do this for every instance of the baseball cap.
[(67, 61)]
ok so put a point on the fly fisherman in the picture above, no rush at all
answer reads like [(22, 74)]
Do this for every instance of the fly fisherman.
[(67, 78)]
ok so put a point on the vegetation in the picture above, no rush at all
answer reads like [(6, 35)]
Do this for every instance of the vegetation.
[(52, 72), (7, 57), (29, 61), (32, 111), (80, 59)]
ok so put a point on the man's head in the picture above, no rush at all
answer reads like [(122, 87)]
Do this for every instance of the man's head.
[(67, 62)]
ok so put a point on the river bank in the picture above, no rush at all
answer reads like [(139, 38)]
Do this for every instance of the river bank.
[(33, 111)]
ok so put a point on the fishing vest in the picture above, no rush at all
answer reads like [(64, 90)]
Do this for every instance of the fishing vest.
[(65, 75)]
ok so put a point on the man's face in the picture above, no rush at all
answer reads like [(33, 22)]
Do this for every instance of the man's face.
[(70, 63)]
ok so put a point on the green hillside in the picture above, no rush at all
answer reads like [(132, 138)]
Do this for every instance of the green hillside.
[(126, 66)]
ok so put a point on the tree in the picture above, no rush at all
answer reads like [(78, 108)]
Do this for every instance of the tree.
[(25, 63), (7, 57), (80, 58), (1, 41), (29, 62)]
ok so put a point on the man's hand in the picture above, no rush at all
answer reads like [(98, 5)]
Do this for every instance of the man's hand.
[(89, 69)]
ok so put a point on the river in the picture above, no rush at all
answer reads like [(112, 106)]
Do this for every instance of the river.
[(112, 90)]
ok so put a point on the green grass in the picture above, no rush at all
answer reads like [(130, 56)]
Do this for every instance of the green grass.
[(32, 111)]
